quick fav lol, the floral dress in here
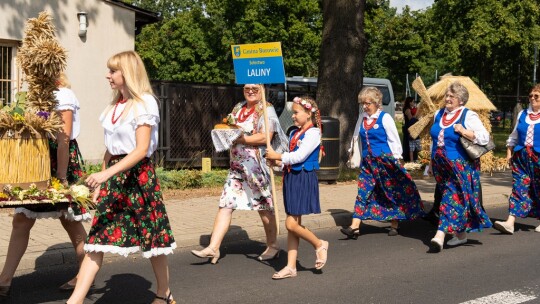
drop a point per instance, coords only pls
(248, 183)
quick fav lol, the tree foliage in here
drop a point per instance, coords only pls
(192, 42)
(488, 40)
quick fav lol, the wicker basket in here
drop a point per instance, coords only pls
(24, 160)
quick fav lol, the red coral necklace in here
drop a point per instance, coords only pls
(533, 116)
(447, 122)
(120, 101)
(242, 116)
(296, 137)
(370, 125)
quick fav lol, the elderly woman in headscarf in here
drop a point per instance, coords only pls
(458, 176)
(386, 191)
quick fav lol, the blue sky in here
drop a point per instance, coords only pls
(413, 4)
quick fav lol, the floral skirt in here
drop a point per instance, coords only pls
(130, 214)
(525, 198)
(386, 191)
(74, 211)
(459, 180)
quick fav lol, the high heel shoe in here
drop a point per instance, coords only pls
(207, 252)
(270, 253)
(350, 232)
(168, 299)
(4, 291)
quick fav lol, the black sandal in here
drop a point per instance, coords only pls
(351, 233)
(168, 299)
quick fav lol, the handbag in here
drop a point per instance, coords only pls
(474, 151)
(354, 154)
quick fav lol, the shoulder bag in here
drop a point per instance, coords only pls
(474, 151)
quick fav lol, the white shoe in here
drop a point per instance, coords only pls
(436, 244)
(503, 227)
(455, 241)
(537, 229)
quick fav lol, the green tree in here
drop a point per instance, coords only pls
(192, 42)
(488, 40)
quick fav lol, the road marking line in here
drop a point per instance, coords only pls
(505, 297)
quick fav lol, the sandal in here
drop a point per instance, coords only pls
(168, 299)
(322, 255)
(284, 273)
(270, 253)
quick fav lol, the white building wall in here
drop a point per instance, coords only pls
(111, 29)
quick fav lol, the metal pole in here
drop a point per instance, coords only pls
(534, 69)
(519, 73)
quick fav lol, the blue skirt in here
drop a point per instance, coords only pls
(301, 192)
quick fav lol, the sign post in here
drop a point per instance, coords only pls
(261, 63)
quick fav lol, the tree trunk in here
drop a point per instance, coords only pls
(343, 49)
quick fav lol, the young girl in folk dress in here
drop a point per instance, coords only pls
(130, 214)
(300, 183)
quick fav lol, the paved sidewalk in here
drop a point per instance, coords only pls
(192, 220)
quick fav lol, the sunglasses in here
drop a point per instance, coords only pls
(253, 89)
(535, 96)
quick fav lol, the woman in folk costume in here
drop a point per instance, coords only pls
(300, 183)
(460, 210)
(524, 143)
(130, 214)
(386, 192)
(66, 167)
(248, 183)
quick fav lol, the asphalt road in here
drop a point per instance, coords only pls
(375, 268)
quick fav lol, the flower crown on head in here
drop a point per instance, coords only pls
(304, 103)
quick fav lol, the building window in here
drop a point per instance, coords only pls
(6, 75)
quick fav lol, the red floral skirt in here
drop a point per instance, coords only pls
(130, 214)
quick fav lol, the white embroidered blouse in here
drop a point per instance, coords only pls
(120, 136)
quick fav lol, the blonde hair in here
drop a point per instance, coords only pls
(310, 106)
(130, 64)
(62, 81)
(373, 94)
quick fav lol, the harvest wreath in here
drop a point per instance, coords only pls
(26, 127)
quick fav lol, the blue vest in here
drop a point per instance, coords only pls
(522, 133)
(378, 141)
(312, 162)
(452, 146)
